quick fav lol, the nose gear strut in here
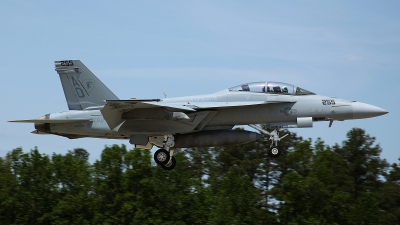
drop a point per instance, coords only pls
(274, 137)
(164, 156)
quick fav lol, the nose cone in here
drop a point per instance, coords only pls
(362, 110)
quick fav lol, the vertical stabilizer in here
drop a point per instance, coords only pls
(82, 88)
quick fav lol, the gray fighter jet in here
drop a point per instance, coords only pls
(192, 121)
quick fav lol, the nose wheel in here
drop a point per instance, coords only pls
(164, 156)
(274, 151)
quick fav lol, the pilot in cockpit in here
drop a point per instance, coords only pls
(284, 90)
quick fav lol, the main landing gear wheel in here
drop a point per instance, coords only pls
(274, 151)
(161, 156)
(164, 156)
(170, 165)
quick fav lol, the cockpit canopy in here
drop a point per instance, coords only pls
(271, 88)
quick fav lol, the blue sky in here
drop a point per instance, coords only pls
(347, 49)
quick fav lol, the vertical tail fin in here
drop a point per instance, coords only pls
(82, 88)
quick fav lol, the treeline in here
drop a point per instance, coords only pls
(310, 183)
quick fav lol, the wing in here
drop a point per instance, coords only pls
(114, 109)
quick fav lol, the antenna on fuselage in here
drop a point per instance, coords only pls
(165, 95)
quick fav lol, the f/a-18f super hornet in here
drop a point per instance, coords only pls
(192, 121)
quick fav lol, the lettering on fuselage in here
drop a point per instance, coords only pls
(98, 120)
(328, 102)
(204, 99)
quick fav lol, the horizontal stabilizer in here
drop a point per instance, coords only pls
(51, 121)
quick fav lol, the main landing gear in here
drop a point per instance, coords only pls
(274, 151)
(164, 156)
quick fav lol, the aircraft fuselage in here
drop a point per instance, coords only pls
(319, 108)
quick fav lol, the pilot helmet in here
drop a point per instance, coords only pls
(284, 89)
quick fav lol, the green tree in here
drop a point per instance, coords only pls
(362, 164)
(8, 187)
(73, 179)
(308, 184)
(389, 198)
(201, 162)
(302, 195)
(333, 186)
(139, 189)
(181, 196)
(109, 186)
(31, 195)
(365, 211)
(236, 200)
(130, 190)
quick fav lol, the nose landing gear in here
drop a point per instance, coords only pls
(164, 156)
(274, 151)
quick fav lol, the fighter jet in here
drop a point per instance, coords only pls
(191, 121)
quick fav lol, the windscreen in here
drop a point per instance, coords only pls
(301, 91)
